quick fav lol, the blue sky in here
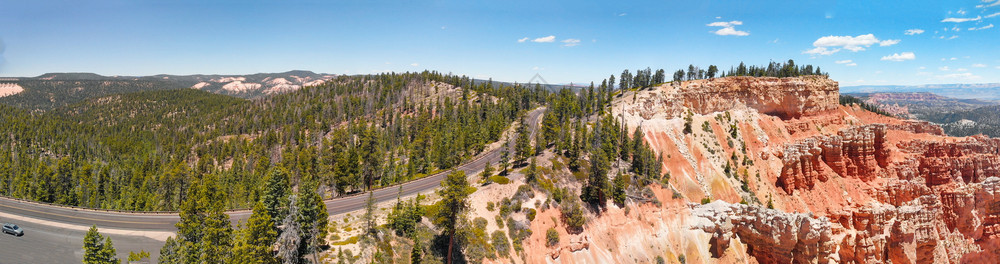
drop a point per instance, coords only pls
(858, 42)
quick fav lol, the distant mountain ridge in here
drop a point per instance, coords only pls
(983, 91)
(52, 90)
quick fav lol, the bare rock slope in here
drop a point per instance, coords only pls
(846, 185)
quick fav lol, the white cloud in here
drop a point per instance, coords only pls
(623, 14)
(775, 41)
(960, 20)
(571, 42)
(730, 32)
(979, 65)
(851, 64)
(922, 68)
(550, 38)
(414, 64)
(726, 24)
(821, 51)
(960, 11)
(915, 31)
(992, 15)
(832, 44)
(952, 37)
(842, 61)
(888, 42)
(728, 28)
(982, 27)
(945, 68)
(998, 67)
(522, 40)
(988, 5)
(900, 56)
(961, 69)
(536, 68)
(847, 42)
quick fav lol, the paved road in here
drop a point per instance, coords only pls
(54, 234)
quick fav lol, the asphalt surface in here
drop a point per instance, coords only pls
(47, 240)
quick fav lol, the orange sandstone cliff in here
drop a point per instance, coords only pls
(846, 185)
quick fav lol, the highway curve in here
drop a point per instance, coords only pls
(54, 234)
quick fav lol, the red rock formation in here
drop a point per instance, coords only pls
(771, 236)
(855, 152)
(919, 127)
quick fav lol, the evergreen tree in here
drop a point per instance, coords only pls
(523, 143)
(594, 192)
(256, 239)
(369, 217)
(416, 255)
(679, 75)
(170, 252)
(312, 219)
(454, 201)
(97, 249)
(276, 195)
(531, 173)
(487, 172)
(216, 242)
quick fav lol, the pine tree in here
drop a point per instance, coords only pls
(487, 173)
(276, 195)
(312, 219)
(416, 255)
(454, 194)
(369, 217)
(216, 242)
(523, 143)
(108, 253)
(531, 174)
(98, 249)
(256, 238)
(170, 252)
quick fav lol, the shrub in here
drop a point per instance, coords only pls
(499, 179)
(531, 214)
(505, 208)
(489, 206)
(551, 237)
(660, 260)
(681, 259)
(706, 200)
(500, 243)
(479, 223)
(572, 215)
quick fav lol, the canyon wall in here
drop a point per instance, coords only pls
(783, 97)
(785, 174)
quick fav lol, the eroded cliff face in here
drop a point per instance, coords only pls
(782, 97)
(846, 185)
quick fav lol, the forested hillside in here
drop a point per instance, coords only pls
(45, 94)
(141, 151)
